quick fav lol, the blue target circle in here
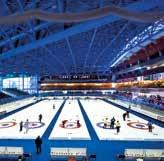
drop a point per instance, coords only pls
(5, 124)
(140, 125)
(101, 125)
(34, 125)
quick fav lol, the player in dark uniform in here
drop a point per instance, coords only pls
(112, 122)
(21, 126)
(124, 116)
(150, 127)
(40, 118)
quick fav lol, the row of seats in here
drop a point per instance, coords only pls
(56, 152)
(8, 107)
(17, 153)
(71, 154)
(13, 153)
(142, 154)
(11, 99)
(3, 95)
(138, 101)
(138, 108)
(16, 91)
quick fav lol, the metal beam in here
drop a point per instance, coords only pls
(28, 23)
(128, 52)
(135, 6)
(36, 28)
(58, 60)
(111, 42)
(90, 45)
(141, 39)
(101, 3)
(75, 30)
(7, 36)
(60, 5)
(83, 4)
(58, 36)
(22, 35)
(72, 56)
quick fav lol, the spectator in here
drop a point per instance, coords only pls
(21, 158)
(38, 143)
(139, 159)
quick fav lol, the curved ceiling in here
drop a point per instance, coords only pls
(42, 47)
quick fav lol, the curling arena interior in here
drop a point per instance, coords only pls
(81, 80)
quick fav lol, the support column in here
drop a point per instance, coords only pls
(113, 77)
(1, 82)
(23, 82)
(37, 85)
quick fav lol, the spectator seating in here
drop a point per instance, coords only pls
(2, 95)
(142, 154)
(11, 106)
(16, 91)
(152, 154)
(13, 153)
(58, 153)
(153, 101)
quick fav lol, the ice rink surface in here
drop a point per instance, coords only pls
(134, 128)
(67, 127)
(9, 127)
(70, 124)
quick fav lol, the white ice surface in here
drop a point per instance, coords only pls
(97, 110)
(31, 113)
(71, 112)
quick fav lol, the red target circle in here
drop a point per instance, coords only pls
(70, 125)
(138, 125)
(7, 124)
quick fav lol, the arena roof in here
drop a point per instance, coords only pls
(44, 46)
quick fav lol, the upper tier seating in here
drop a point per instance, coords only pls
(2, 95)
(16, 92)
(154, 101)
